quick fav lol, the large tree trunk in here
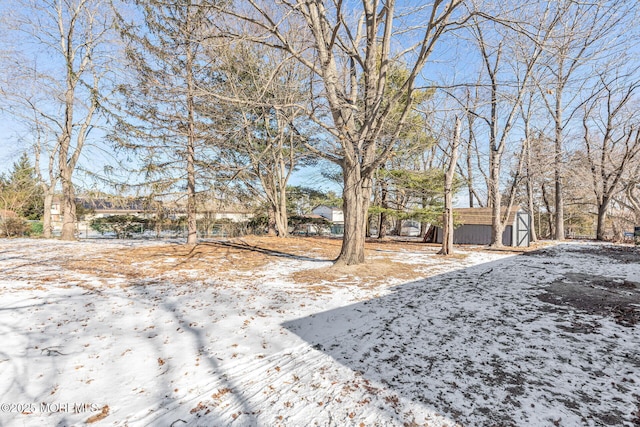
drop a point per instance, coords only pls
(447, 226)
(271, 222)
(397, 230)
(68, 204)
(602, 219)
(282, 219)
(356, 196)
(497, 226)
(281, 224)
(633, 199)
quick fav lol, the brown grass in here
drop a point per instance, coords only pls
(232, 258)
(370, 274)
(238, 258)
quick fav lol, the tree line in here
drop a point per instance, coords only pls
(532, 104)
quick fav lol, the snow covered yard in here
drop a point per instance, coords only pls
(259, 332)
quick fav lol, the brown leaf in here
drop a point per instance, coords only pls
(97, 417)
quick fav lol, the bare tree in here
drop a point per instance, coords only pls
(611, 139)
(350, 53)
(505, 92)
(27, 105)
(588, 31)
(526, 112)
(447, 220)
(48, 184)
(632, 194)
(471, 150)
(72, 35)
(265, 128)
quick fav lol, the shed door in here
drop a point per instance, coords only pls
(523, 224)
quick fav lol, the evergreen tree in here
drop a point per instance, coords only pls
(162, 120)
(20, 191)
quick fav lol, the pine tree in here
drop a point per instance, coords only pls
(161, 120)
(20, 191)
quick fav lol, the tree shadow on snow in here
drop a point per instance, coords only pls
(479, 347)
(258, 249)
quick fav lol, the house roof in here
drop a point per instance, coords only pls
(334, 208)
(113, 205)
(481, 216)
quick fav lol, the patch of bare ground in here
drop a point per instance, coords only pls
(604, 296)
(620, 253)
(368, 275)
(237, 258)
(217, 259)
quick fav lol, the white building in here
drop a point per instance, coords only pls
(333, 214)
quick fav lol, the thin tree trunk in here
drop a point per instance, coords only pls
(469, 162)
(281, 211)
(559, 201)
(384, 204)
(281, 215)
(547, 204)
(192, 227)
(47, 229)
(447, 220)
(67, 203)
(533, 237)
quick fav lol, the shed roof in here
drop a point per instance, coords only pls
(481, 216)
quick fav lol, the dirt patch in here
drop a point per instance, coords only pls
(599, 295)
(619, 253)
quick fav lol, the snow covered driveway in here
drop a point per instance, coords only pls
(95, 333)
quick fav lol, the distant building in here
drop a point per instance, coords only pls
(207, 215)
(475, 228)
(332, 214)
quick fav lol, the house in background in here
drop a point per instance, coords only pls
(475, 228)
(101, 208)
(332, 214)
(209, 215)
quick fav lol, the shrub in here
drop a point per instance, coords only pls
(36, 228)
(14, 227)
(123, 225)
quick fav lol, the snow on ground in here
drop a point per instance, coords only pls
(480, 340)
